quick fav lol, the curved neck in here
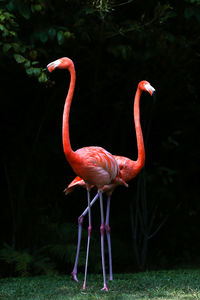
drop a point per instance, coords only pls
(139, 136)
(65, 128)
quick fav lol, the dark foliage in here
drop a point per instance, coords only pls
(114, 45)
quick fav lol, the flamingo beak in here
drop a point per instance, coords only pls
(154, 96)
(149, 89)
(53, 65)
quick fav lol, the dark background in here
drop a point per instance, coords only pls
(114, 44)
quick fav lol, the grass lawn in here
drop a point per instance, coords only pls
(171, 285)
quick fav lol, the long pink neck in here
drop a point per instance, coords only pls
(139, 136)
(65, 129)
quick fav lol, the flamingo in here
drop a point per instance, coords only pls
(93, 164)
(128, 168)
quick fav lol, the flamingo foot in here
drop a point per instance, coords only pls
(84, 287)
(105, 288)
(74, 277)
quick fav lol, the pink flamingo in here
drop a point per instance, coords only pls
(128, 168)
(94, 164)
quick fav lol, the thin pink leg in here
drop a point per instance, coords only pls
(74, 272)
(80, 222)
(105, 287)
(88, 243)
(107, 228)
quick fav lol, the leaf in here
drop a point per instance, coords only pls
(189, 12)
(43, 37)
(10, 6)
(22, 262)
(33, 71)
(60, 37)
(19, 58)
(16, 46)
(24, 11)
(171, 37)
(52, 33)
(33, 54)
(38, 7)
(89, 11)
(8, 16)
(12, 33)
(2, 17)
(6, 47)
(42, 77)
(35, 63)
(36, 71)
(67, 34)
(2, 27)
(29, 71)
(27, 64)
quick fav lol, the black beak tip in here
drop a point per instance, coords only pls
(47, 72)
(154, 96)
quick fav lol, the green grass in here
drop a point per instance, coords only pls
(171, 285)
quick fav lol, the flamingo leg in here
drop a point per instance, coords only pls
(80, 222)
(107, 228)
(88, 243)
(105, 287)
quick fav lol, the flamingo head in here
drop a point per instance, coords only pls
(61, 63)
(145, 86)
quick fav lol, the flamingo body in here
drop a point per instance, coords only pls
(99, 167)
(128, 169)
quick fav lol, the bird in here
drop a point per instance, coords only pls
(128, 168)
(96, 166)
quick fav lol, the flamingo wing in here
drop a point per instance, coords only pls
(99, 167)
(75, 183)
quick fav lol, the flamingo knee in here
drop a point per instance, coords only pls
(80, 220)
(102, 227)
(107, 228)
(89, 229)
